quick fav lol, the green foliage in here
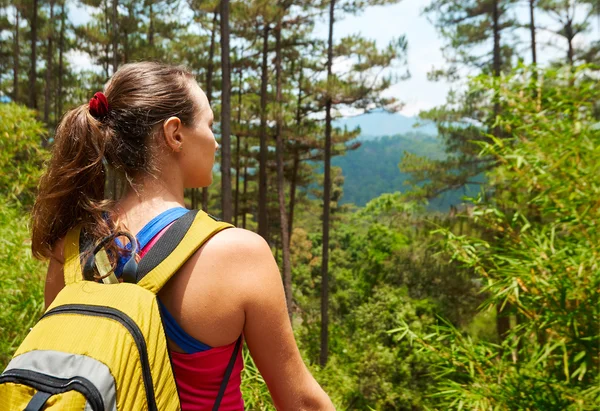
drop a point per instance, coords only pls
(21, 281)
(383, 265)
(527, 250)
(538, 255)
(21, 157)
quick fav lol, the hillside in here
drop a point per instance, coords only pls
(373, 169)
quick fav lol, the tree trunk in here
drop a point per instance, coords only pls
(211, 56)
(497, 63)
(131, 17)
(61, 50)
(205, 198)
(49, 64)
(285, 242)
(209, 84)
(115, 35)
(293, 191)
(245, 192)
(151, 26)
(532, 30)
(263, 229)
(33, 72)
(237, 152)
(502, 322)
(570, 36)
(296, 154)
(237, 180)
(496, 27)
(16, 57)
(106, 62)
(226, 201)
(326, 199)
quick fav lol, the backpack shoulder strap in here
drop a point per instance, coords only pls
(72, 267)
(175, 247)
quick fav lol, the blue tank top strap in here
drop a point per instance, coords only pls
(148, 232)
(186, 342)
(158, 223)
(173, 330)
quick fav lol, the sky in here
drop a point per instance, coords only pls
(383, 23)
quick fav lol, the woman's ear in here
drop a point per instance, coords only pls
(172, 131)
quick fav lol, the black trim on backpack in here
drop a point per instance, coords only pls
(130, 325)
(228, 372)
(38, 401)
(166, 244)
(54, 385)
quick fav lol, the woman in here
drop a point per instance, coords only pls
(153, 125)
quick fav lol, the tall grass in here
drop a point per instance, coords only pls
(21, 281)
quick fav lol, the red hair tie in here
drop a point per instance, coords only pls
(99, 105)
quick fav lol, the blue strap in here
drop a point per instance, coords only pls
(147, 233)
(158, 223)
(178, 335)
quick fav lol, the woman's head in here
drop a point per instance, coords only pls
(157, 115)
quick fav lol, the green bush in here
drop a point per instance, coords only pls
(21, 281)
(21, 155)
(21, 277)
(537, 256)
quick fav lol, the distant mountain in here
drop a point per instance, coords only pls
(372, 169)
(381, 123)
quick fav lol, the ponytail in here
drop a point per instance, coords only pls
(71, 191)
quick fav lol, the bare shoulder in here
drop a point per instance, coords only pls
(244, 257)
(238, 242)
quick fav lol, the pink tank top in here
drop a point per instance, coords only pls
(199, 375)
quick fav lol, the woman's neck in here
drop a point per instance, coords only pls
(150, 197)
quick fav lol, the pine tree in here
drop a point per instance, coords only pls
(466, 26)
(16, 54)
(566, 13)
(49, 66)
(354, 90)
(33, 19)
(285, 244)
(226, 199)
(532, 30)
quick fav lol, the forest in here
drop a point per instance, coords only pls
(401, 296)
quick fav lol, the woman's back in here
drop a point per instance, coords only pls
(154, 125)
(199, 368)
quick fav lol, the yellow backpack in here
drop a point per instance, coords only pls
(102, 347)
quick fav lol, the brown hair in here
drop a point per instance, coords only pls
(141, 96)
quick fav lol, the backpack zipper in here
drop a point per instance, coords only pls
(55, 385)
(129, 324)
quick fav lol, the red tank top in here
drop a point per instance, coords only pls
(199, 375)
